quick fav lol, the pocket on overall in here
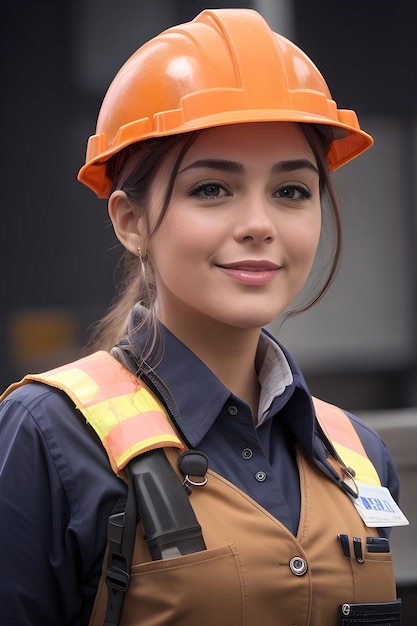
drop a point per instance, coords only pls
(199, 589)
(377, 613)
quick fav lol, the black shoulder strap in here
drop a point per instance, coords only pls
(121, 531)
(156, 494)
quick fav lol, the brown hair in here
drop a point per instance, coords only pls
(331, 236)
(132, 170)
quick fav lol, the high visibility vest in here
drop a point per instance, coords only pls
(254, 571)
(129, 420)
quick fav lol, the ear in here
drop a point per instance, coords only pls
(128, 222)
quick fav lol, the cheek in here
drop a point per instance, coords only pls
(305, 239)
(175, 249)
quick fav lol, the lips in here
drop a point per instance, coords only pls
(251, 266)
(250, 272)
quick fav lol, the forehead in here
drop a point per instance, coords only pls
(271, 141)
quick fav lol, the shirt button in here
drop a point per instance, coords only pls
(298, 566)
(232, 410)
(260, 477)
(247, 453)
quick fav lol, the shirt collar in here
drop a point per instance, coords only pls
(274, 374)
(200, 395)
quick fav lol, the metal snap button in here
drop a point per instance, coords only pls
(298, 566)
(247, 453)
(232, 410)
(260, 476)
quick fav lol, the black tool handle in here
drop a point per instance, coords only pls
(170, 525)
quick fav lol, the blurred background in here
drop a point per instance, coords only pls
(358, 348)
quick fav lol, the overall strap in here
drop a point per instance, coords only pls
(341, 433)
(130, 420)
(126, 416)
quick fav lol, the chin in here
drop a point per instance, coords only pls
(252, 321)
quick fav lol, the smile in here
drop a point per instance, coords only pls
(251, 272)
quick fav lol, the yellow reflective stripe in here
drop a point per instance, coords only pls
(106, 415)
(152, 443)
(76, 383)
(75, 379)
(364, 470)
(127, 424)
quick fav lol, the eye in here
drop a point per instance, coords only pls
(294, 192)
(209, 190)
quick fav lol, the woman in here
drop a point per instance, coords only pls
(215, 157)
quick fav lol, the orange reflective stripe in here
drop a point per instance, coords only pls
(150, 426)
(125, 415)
(106, 378)
(339, 429)
(129, 420)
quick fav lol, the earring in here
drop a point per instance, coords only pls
(145, 288)
(142, 256)
(142, 261)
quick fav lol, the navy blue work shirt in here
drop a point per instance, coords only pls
(57, 489)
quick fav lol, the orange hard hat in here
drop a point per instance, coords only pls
(224, 67)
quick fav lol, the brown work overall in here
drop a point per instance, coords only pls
(248, 576)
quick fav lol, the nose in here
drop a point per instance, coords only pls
(254, 222)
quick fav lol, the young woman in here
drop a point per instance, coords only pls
(215, 156)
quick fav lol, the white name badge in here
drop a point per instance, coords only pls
(377, 507)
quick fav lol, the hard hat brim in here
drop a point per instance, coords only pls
(347, 141)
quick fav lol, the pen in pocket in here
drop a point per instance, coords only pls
(344, 542)
(357, 549)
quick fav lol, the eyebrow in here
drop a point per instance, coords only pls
(295, 164)
(216, 164)
(237, 168)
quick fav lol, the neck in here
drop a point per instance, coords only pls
(229, 352)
